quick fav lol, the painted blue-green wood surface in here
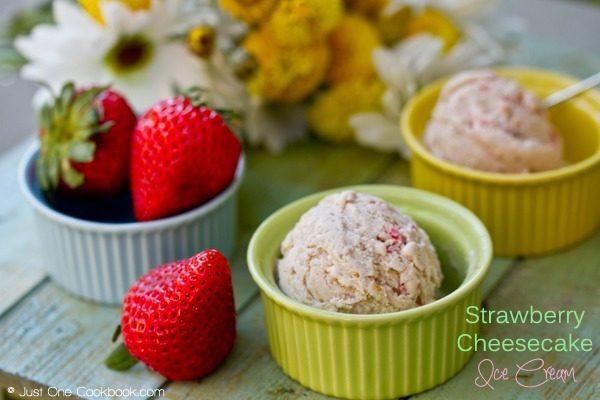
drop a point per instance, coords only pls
(49, 339)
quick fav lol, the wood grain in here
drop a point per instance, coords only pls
(21, 267)
(248, 373)
(273, 180)
(56, 340)
(565, 281)
(53, 339)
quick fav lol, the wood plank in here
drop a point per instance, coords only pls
(397, 173)
(56, 340)
(565, 281)
(500, 268)
(49, 334)
(20, 261)
(53, 339)
(273, 180)
(248, 373)
(77, 333)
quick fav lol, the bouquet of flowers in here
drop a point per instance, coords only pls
(342, 69)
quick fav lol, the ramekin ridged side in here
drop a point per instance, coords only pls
(522, 219)
(390, 361)
(99, 261)
(376, 356)
(526, 214)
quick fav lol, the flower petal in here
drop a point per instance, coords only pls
(376, 131)
(274, 126)
(156, 81)
(69, 14)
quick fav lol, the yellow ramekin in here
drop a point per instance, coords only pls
(526, 214)
(377, 356)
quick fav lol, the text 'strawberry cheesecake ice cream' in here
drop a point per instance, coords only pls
(490, 123)
(356, 253)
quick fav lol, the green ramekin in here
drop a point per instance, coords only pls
(376, 356)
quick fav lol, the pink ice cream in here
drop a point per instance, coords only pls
(356, 253)
(490, 123)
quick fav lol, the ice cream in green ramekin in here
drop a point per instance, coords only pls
(384, 355)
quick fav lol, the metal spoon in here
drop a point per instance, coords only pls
(571, 91)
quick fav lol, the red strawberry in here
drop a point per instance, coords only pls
(183, 154)
(85, 142)
(179, 318)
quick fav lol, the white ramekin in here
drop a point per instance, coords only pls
(99, 261)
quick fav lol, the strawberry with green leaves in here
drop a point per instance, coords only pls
(183, 154)
(85, 139)
(179, 319)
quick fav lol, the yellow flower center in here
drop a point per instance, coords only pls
(129, 54)
(201, 40)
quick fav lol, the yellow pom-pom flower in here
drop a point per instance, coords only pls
(285, 74)
(93, 7)
(352, 44)
(392, 27)
(331, 110)
(435, 22)
(252, 12)
(370, 8)
(302, 22)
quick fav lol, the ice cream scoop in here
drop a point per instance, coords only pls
(491, 123)
(356, 253)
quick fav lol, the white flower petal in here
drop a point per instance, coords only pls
(119, 18)
(274, 126)
(376, 131)
(157, 80)
(67, 13)
(392, 102)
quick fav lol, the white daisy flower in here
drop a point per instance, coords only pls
(133, 51)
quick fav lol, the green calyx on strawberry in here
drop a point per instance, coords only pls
(179, 319)
(85, 139)
(183, 154)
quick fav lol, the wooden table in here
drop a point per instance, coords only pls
(49, 339)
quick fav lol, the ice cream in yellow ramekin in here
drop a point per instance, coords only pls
(531, 213)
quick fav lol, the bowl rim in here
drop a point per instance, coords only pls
(467, 286)
(591, 99)
(123, 227)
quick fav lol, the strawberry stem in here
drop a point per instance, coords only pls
(116, 333)
(120, 359)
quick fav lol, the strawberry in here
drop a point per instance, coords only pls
(179, 318)
(183, 154)
(85, 142)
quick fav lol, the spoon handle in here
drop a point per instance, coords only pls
(571, 91)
